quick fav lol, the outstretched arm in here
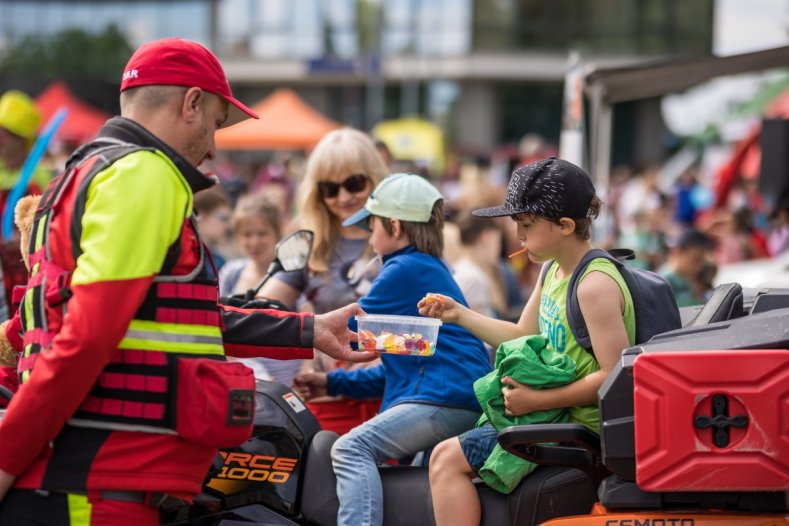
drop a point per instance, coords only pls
(284, 335)
(489, 330)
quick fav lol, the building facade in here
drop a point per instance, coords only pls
(488, 71)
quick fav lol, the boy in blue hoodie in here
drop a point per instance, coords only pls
(425, 399)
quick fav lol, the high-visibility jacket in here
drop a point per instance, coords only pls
(120, 286)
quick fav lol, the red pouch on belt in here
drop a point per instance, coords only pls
(216, 402)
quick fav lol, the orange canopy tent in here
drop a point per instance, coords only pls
(82, 122)
(286, 123)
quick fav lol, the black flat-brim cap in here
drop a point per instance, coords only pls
(550, 187)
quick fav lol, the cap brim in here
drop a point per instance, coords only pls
(359, 219)
(495, 211)
(237, 112)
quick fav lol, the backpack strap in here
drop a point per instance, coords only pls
(575, 318)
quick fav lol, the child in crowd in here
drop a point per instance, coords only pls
(257, 227)
(425, 399)
(688, 259)
(213, 222)
(552, 203)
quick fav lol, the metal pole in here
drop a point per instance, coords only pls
(600, 163)
(374, 100)
(213, 25)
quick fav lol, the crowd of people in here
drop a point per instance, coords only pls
(385, 241)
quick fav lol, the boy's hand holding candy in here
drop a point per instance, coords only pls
(440, 307)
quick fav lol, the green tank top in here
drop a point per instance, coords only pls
(554, 326)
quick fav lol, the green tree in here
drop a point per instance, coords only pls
(70, 52)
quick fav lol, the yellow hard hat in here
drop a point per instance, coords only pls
(18, 114)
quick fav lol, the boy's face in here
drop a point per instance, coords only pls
(538, 235)
(383, 242)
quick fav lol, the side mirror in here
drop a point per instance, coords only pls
(293, 252)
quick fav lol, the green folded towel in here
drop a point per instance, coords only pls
(529, 361)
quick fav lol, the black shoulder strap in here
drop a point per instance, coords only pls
(575, 318)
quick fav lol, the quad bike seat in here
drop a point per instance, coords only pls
(547, 493)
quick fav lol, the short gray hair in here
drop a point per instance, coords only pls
(149, 98)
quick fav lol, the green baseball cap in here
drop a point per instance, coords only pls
(407, 197)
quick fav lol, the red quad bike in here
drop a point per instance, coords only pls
(695, 432)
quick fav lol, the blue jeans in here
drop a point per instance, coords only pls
(401, 430)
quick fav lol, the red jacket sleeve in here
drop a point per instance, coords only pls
(268, 333)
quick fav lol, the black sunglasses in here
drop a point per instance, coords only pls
(353, 184)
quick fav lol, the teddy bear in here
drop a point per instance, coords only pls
(24, 215)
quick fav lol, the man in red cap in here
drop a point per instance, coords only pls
(122, 335)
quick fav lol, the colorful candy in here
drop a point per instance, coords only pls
(413, 344)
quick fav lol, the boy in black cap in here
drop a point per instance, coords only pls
(552, 203)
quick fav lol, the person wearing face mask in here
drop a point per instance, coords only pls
(340, 174)
(125, 392)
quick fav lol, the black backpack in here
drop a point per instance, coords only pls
(654, 304)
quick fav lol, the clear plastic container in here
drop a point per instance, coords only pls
(408, 335)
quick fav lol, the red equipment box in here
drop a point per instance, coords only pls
(712, 420)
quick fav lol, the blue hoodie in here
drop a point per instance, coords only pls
(446, 378)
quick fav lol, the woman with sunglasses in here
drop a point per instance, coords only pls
(341, 173)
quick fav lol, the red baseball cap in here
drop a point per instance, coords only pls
(179, 62)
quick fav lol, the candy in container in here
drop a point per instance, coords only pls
(407, 335)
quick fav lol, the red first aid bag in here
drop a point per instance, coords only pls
(215, 402)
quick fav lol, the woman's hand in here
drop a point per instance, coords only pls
(520, 399)
(440, 307)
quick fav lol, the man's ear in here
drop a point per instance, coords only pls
(193, 104)
(566, 226)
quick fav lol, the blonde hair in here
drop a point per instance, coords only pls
(339, 154)
(256, 205)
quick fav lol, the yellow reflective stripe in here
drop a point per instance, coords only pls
(173, 337)
(175, 328)
(29, 312)
(27, 305)
(176, 347)
(79, 510)
(42, 223)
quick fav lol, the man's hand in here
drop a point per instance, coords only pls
(6, 481)
(333, 337)
(519, 399)
(311, 385)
